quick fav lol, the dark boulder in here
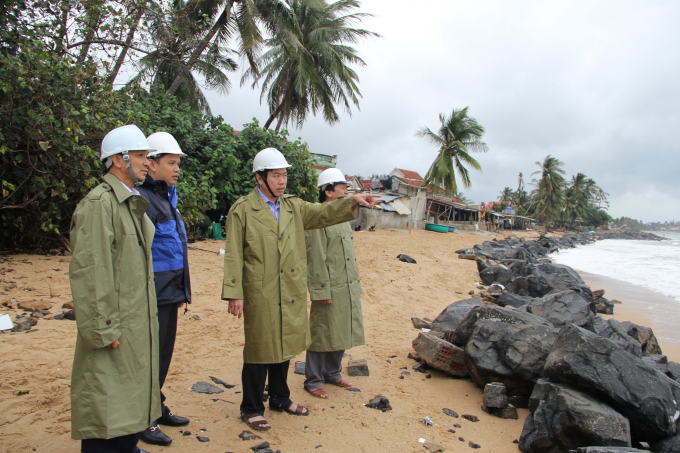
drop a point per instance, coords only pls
(599, 324)
(513, 300)
(565, 419)
(616, 333)
(669, 445)
(603, 306)
(563, 308)
(608, 450)
(674, 371)
(496, 274)
(494, 313)
(598, 366)
(512, 354)
(658, 361)
(481, 264)
(645, 335)
(451, 316)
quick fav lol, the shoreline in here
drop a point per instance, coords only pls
(642, 306)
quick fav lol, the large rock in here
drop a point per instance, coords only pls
(602, 368)
(563, 308)
(494, 313)
(450, 318)
(670, 445)
(34, 305)
(441, 354)
(645, 335)
(616, 333)
(512, 354)
(603, 306)
(565, 419)
(496, 274)
(513, 300)
(608, 450)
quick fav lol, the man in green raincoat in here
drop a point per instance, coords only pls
(265, 280)
(333, 282)
(114, 383)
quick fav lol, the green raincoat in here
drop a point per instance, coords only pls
(114, 392)
(265, 264)
(333, 274)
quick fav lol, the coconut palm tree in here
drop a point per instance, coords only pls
(506, 194)
(549, 192)
(306, 68)
(224, 21)
(457, 137)
(174, 33)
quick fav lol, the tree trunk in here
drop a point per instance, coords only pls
(61, 43)
(223, 19)
(92, 25)
(128, 43)
(274, 115)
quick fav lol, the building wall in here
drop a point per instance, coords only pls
(381, 219)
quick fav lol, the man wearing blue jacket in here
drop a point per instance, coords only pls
(170, 262)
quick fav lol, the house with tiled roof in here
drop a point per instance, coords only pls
(408, 174)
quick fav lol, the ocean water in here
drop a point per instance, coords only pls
(650, 264)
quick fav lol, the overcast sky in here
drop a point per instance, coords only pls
(595, 84)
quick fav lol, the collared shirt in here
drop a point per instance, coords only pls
(273, 206)
(133, 191)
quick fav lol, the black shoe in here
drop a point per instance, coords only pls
(154, 436)
(170, 419)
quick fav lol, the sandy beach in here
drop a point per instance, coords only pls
(210, 341)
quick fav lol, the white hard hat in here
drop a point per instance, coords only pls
(269, 159)
(164, 143)
(331, 176)
(124, 138)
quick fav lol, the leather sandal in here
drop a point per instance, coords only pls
(299, 410)
(255, 424)
(342, 383)
(319, 393)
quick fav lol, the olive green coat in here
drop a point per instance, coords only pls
(265, 264)
(114, 392)
(333, 274)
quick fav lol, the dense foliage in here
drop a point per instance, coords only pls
(54, 112)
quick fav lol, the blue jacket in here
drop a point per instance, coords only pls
(169, 248)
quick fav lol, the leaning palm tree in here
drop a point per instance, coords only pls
(306, 67)
(226, 19)
(174, 33)
(549, 192)
(457, 137)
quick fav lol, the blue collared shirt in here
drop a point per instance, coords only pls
(273, 206)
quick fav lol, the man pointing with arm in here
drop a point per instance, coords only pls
(265, 273)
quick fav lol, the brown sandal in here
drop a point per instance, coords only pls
(257, 424)
(342, 383)
(319, 393)
(298, 410)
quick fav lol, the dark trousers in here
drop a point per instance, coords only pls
(253, 378)
(167, 331)
(322, 367)
(122, 444)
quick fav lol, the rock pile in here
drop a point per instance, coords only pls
(533, 338)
